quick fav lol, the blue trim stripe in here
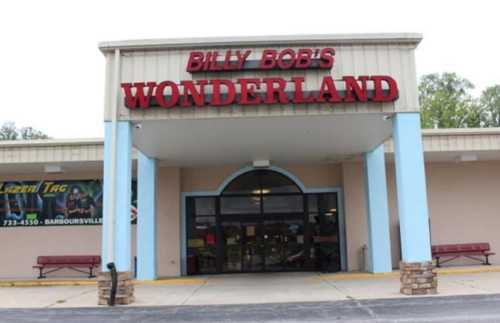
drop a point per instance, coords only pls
(123, 191)
(411, 188)
(146, 220)
(379, 244)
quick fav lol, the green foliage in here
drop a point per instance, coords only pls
(490, 102)
(446, 103)
(9, 131)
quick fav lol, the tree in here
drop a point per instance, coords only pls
(9, 131)
(445, 102)
(490, 103)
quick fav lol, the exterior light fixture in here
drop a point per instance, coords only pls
(53, 169)
(467, 158)
(261, 163)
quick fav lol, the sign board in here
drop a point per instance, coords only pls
(41, 203)
(269, 90)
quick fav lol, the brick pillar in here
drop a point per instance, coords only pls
(124, 290)
(418, 278)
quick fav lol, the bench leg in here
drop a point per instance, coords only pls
(487, 262)
(91, 272)
(40, 275)
(437, 262)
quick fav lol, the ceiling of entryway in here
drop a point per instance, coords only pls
(318, 138)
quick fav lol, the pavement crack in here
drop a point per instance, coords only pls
(365, 308)
(467, 283)
(69, 298)
(184, 302)
(334, 286)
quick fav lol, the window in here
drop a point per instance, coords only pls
(261, 182)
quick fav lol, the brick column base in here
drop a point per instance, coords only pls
(124, 290)
(418, 278)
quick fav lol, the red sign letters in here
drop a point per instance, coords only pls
(256, 91)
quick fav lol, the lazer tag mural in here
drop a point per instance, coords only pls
(38, 203)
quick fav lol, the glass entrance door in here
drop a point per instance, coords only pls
(284, 244)
(243, 244)
(262, 222)
(252, 244)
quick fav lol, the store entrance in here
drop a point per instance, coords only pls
(262, 222)
(263, 245)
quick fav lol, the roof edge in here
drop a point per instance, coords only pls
(461, 131)
(51, 142)
(100, 141)
(224, 41)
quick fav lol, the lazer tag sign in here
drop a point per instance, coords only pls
(268, 90)
(64, 202)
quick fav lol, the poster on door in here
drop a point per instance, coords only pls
(45, 203)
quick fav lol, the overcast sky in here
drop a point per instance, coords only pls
(51, 72)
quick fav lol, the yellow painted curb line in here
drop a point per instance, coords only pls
(439, 271)
(472, 270)
(357, 276)
(36, 283)
(173, 281)
(42, 283)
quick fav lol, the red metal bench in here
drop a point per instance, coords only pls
(55, 263)
(469, 250)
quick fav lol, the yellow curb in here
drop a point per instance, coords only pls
(468, 270)
(357, 276)
(439, 271)
(41, 283)
(173, 281)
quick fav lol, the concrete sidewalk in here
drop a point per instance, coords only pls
(250, 289)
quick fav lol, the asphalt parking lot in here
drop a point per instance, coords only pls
(470, 308)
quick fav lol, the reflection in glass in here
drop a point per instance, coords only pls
(204, 206)
(284, 241)
(261, 182)
(231, 232)
(252, 247)
(283, 203)
(261, 223)
(239, 205)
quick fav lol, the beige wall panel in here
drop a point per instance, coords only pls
(396, 60)
(168, 222)
(355, 214)
(393, 215)
(211, 177)
(463, 203)
(51, 153)
(206, 178)
(21, 246)
(317, 175)
(45, 176)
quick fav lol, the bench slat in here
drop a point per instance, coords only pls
(67, 260)
(479, 247)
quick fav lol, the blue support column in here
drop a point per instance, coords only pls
(117, 195)
(411, 188)
(146, 218)
(379, 242)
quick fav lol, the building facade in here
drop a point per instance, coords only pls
(255, 154)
